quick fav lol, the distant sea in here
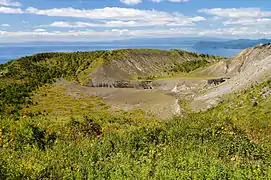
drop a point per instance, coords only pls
(10, 52)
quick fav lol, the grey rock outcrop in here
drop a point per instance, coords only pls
(252, 65)
(123, 84)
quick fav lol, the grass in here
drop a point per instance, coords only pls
(53, 102)
(26, 74)
(250, 110)
(51, 99)
(83, 76)
(57, 135)
(193, 74)
(181, 76)
(126, 145)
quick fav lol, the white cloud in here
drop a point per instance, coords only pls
(120, 23)
(131, 23)
(248, 22)
(238, 32)
(237, 12)
(240, 17)
(23, 36)
(91, 35)
(105, 13)
(131, 2)
(5, 25)
(7, 10)
(117, 34)
(172, 32)
(198, 18)
(115, 15)
(39, 30)
(9, 3)
(156, 1)
(124, 23)
(178, 0)
(63, 24)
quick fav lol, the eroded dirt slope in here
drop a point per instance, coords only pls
(252, 65)
(143, 63)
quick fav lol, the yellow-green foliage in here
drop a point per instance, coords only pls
(249, 110)
(54, 101)
(127, 145)
(24, 75)
(83, 75)
(56, 135)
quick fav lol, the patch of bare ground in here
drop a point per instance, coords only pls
(153, 101)
(251, 66)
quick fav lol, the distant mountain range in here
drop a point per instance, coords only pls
(127, 42)
(232, 44)
(193, 42)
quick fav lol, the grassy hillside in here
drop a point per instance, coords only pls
(228, 142)
(22, 76)
(47, 133)
(145, 64)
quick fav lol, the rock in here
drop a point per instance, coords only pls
(145, 84)
(216, 81)
(123, 84)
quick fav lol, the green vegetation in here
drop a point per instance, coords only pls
(23, 76)
(189, 66)
(212, 144)
(48, 134)
(250, 110)
(197, 61)
(183, 63)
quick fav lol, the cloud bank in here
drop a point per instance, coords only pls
(9, 3)
(113, 23)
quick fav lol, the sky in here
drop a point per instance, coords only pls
(106, 20)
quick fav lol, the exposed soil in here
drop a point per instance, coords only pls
(157, 102)
(250, 66)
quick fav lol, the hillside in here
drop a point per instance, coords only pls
(135, 114)
(142, 63)
(22, 76)
(251, 66)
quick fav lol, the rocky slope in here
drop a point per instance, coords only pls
(118, 77)
(143, 63)
(240, 62)
(108, 74)
(252, 65)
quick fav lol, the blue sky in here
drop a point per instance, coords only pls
(103, 20)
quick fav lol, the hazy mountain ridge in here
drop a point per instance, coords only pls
(231, 44)
(140, 42)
